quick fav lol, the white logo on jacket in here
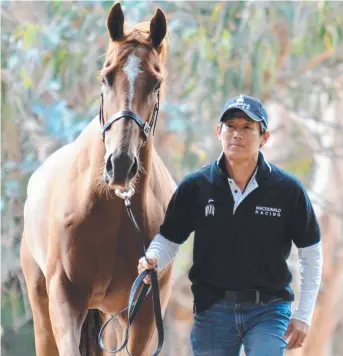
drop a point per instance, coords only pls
(268, 211)
(209, 209)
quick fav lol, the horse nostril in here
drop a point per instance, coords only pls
(120, 168)
(109, 165)
(134, 168)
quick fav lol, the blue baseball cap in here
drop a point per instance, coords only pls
(251, 106)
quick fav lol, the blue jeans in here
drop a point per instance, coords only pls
(222, 329)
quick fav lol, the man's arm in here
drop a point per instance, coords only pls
(163, 250)
(311, 263)
(159, 254)
(305, 233)
(175, 229)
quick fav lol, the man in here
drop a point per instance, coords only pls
(245, 214)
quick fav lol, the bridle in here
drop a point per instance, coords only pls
(146, 126)
(134, 305)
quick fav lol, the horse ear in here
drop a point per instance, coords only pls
(158, 28)
(115, 22)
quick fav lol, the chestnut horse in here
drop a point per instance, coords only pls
(79, 249)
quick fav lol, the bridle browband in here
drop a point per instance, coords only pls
(146, 126)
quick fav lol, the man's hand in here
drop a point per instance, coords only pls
(143, 264)
(297, 331)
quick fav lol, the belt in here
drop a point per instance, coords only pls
(247, 296)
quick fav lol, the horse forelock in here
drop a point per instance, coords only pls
(138, 36)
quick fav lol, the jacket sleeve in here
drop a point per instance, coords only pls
(178, 223)
(311, 265)
(304, 226)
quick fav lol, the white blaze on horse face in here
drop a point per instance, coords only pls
(132, 69)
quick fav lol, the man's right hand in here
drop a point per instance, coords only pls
(143, 264)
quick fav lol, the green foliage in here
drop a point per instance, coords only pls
(17, 338)
(301, 166)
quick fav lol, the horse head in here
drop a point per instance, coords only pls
(132, 76)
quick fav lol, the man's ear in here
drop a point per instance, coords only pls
(265, 137)
(219, 131)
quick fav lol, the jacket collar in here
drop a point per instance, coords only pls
(263, 167)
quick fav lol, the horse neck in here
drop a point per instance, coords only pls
(145, 157)
(139, 201)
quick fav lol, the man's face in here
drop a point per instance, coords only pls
(240, 136)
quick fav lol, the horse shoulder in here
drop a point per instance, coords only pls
(36, 217)
(162, 183)
(54, 198)
(57, 172)
(161, 189)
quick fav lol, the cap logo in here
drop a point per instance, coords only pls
(240, 100)
(251, 106)
(240, 104)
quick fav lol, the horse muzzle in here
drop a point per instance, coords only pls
(120, 170)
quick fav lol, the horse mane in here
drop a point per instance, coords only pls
(138, 35)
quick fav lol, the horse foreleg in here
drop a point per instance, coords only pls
(68, 306)
(36, 286)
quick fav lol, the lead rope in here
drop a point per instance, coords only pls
(133, 306)
(155, 113)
